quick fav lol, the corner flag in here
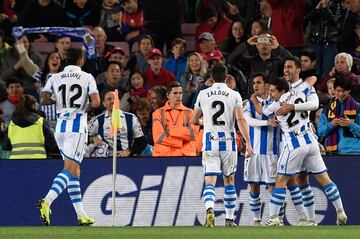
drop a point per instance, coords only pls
(116, 123)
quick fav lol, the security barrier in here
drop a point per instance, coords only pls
(153, 192)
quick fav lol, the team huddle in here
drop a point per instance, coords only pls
(281, 147)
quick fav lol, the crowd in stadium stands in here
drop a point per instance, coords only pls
(158, 55)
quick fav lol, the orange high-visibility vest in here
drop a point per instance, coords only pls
(172, 133)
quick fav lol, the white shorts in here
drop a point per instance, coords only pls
(219, 162)
(72, 145)
(260, 169)
(307, 157)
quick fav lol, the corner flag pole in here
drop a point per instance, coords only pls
(116, 124)
(113, 211)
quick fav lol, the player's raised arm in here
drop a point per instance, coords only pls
(244, 128)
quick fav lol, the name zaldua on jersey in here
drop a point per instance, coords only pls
(218, 104)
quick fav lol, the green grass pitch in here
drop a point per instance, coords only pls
(348, 232)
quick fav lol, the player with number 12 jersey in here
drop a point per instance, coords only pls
(71, 88)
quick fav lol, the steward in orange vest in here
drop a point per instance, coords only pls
(172, 133)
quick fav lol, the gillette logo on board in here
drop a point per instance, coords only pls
(175, 199)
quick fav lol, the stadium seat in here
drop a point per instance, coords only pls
(189, 28)
(188, 32)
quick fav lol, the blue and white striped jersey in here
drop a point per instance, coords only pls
(304, 87)
(264, 139)
(295, 124)
(100, 125)
(71, 88)
(218, 104)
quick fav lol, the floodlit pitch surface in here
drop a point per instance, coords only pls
(287, 232)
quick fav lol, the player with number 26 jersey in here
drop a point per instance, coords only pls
(296, 127)
(71, 88)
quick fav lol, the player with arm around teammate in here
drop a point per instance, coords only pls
(260, 168)
(301, 151)
(71, 88)
(221, 108)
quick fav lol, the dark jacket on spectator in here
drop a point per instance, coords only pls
(325, 22)
(87, 16)
(272, 67)
(35, 15)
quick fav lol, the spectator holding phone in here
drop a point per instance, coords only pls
(268, 59)
(340, 120)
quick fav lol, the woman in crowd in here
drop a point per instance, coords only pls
(195, 74)
(137, 91)
(138, 61)
(236, 36)
(343, 65)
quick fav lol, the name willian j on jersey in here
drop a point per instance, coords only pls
(70, 74)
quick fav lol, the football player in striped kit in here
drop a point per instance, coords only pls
(301, 151)
(221, 108)
(72, 88)
(260, 168)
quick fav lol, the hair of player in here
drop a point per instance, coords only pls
(219, 73)
(295, 60)
(281, 84)
(261, 74)
(343, 82)
(14, 80)
(309, 52)
(172, 85)
(74, 55)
